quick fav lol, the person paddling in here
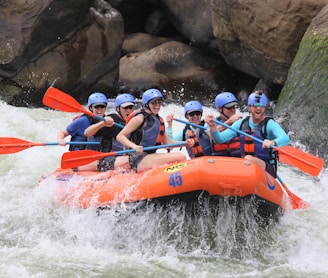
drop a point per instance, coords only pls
(124, 104)
(226, 104)
(146, 128)
(193, 111)
(97, 103)
(259, 126)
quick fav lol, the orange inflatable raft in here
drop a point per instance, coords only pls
(214, 177)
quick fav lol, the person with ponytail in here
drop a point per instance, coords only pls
(145, 129)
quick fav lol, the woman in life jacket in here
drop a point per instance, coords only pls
(146, 128)
(193, 111)
(97, 103)
(226, 103)
(259, 126)
(124, 104)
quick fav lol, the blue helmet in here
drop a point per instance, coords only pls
(97, 98)
(225, 99)
(124, 100)
(192, 105)
(151, 94)
(257, 98)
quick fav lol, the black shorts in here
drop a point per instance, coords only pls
(270, 169)
(135, 158)
(106, 164)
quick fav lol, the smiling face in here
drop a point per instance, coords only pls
(155, 105)
(194, 117)
(125, 111)
(258, 113)
(227, 112)
(98, 110)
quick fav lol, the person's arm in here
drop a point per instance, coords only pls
(169, 120)
(61, 137)
(177, 136)
(93, 129)
(230, 121)
(221, 137)
(276, 135)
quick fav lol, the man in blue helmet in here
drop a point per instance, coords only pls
(226, 104)
(193, 111)
(124, 105)
(145, 129)
(259, 126)
(97, 103)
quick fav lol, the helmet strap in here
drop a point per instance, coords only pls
(222, 113)
(118, 110)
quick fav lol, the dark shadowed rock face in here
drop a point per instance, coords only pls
(261, 38)
(68, 44)
(76, 45)
(182, 70)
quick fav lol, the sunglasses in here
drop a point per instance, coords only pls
(193, 113)
(99, 106)
(230, 108)
(157, 101)
(258, 105)
(128, 107)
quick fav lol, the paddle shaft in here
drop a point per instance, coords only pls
(78, 158)
(31, 144)
(189, 123)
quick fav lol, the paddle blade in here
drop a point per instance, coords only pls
(13, 145)
(59, 100)
(77, 158)
(295, 201)
(300, 159)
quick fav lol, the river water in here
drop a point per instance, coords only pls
(39, 238)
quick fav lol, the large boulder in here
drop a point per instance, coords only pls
(193, 19)
(304, 98)
(63, 43)
(183, 70)
(261, 38)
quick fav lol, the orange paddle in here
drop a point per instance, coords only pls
(296, 202)
(13, 145)
(78, 158)
(59, 100)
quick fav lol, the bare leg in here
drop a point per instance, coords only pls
(156, 159)
(89, 167)
(122, 162)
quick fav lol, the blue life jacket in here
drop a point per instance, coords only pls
(150, 132)
(251, 147)
(203, 143)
